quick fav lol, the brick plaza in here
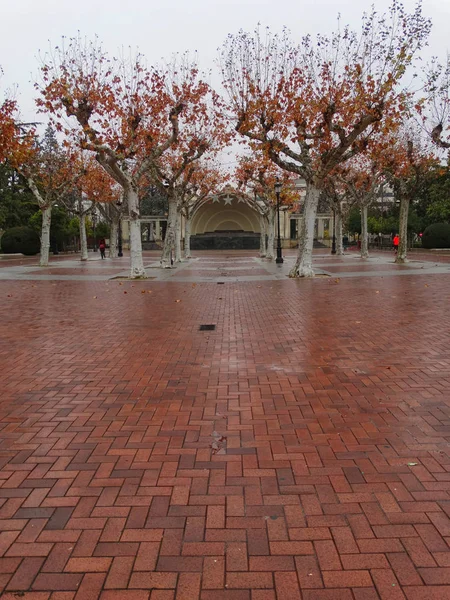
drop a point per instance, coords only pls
(298, 451)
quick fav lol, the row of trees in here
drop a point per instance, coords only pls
(333, 111)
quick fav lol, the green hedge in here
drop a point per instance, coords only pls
(20, 240)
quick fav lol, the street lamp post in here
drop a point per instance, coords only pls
(279, 259)
(119, 232)
(333, 245)
(94, 224)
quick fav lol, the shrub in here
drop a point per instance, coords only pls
(20, 240)
(436, 236)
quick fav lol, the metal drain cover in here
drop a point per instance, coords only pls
(207, 327)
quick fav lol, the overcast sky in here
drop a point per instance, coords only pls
(161, 28)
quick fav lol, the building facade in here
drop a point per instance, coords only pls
(229, 221)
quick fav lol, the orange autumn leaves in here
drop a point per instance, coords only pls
(313, 105)
(127, 110)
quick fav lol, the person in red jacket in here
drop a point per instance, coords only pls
(396, 242)
(102, 247)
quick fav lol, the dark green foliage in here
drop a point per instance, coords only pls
(17, 203)
(102, 230)
(436, 236)
(61, 228)
(154, 202)
(20, 240)
(354, 221)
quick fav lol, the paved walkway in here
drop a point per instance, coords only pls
(238, 266)
(298, 451)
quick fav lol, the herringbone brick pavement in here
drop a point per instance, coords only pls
(299, 451)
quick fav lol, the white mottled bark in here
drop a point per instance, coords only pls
(45, 235)
(178, 258)
(113, 237)
(83, 237)
(187, 237)
(364, 232)
(403, 232)
(169, 240)
(270, 253)
(137, 264)
(262, 239)
(339, 242)
(303, 265)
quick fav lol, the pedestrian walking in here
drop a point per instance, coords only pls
(396, 241)
(102, 247)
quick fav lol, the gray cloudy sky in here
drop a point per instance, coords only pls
(160, 28)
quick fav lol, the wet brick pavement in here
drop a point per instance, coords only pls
(300, 451)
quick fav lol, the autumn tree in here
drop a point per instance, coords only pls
(127, 114)
(50, 170)
(94, 189)
(199, 183)
(314, 105)
(202, 133)
(340, 200)
(434, 107)
(407, 162)
(256, 176)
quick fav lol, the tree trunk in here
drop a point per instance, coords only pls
(137, 264)
(339, 242)
(187, 237)
(364, 232)
(113, 237)
(178, 258)
(169, 240)
(303, 265)
(83, 237)
(403, 233)
(262, 239)
(270, 252)
(45, 235)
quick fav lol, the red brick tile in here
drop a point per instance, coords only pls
(426, 593)
(335, 594)
(236, 556)
(308, 572)
(153, 580)
(119, 573)
(91, 586)
(213, 573)
(286, 585)
(344, 540)
(29, 549)
(291, 548)
(346, 579)
(180, 563)
(25, 574)
(327, 555)
(203, 549)
(272, 563)
(387, 584)
(249, 580)
(257, 542)
(215, 517)
(364, 561)
(125, 595)
(188, 586)
(57, 581)
(147, 556)
(435, 576)
(87, 565)
(225, 595)
(404, 569)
